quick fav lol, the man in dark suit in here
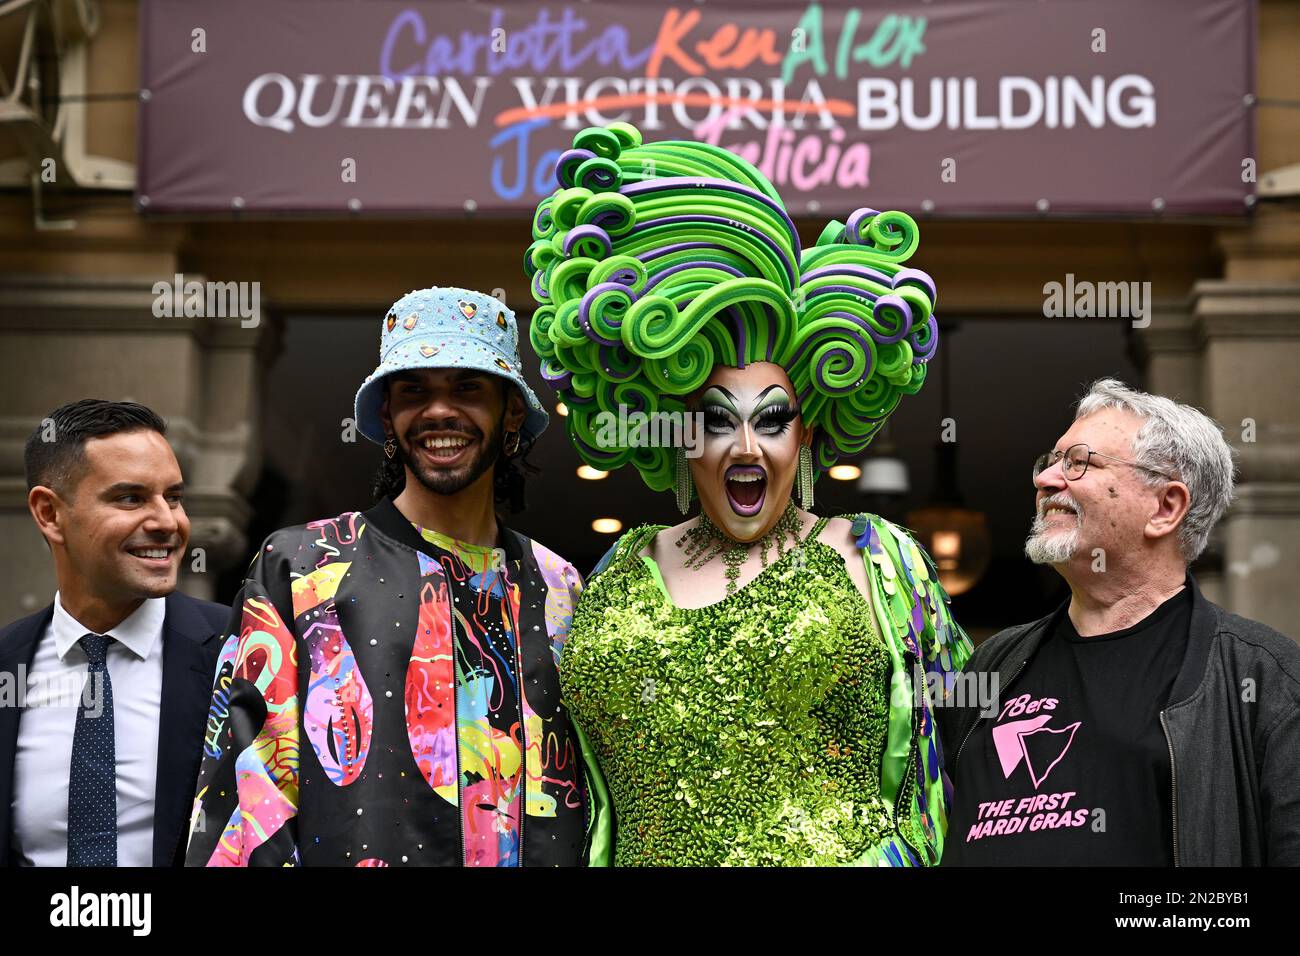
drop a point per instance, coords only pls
(104, 694)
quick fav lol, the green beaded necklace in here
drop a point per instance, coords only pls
(706, 541)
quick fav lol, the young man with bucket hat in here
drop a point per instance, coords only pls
(388, 693)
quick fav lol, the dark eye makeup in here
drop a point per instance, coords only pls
(776, 418)
(716, 418)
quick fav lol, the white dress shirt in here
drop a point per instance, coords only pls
(45, 731)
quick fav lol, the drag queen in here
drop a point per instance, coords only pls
(752, 681)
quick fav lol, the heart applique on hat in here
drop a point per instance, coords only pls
(435, 328)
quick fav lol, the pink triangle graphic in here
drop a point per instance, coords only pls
(1006, 740)
(1029, 763)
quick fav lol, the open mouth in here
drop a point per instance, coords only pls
(1056, 509)
(156, 556)
(746, 489)
(444, 449)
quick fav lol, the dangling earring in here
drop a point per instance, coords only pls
(804, 479)
(390, 448)
(684, 484)
(511, 449)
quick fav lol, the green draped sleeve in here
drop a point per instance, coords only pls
(926, 648)
(599, 850)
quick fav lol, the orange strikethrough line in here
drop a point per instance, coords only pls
(521, 113)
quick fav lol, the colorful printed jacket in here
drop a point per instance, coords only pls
(429, 697)
(926, 649)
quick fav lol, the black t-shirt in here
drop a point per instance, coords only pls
(1074, 769)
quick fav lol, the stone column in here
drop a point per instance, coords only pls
(1171, 351)
(1234, 351)
(68, 337)
(1251, 334)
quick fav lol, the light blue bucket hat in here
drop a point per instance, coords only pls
(447, 328)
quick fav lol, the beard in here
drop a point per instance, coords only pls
(449, 481)
(1048, 545)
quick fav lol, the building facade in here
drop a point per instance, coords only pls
(80, 267)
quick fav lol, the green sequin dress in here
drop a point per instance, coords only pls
(748, 732)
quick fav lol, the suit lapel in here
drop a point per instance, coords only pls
(16, 653)
(190, 649)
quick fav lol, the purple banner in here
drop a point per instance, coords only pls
(995, 107)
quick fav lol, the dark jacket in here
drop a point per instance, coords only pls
(192, 638)
(1233, 727)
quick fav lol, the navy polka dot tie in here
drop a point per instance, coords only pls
(92, 783)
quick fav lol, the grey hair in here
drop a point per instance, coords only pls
(1180, 441)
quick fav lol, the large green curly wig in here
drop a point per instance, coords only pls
(654, 262)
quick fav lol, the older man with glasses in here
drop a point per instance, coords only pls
(1138, 724)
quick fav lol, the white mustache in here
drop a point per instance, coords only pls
(1062, 500)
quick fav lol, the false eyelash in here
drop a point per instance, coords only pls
(777, 416)
(716, 417)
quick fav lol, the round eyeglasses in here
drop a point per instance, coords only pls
(1076, 459)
